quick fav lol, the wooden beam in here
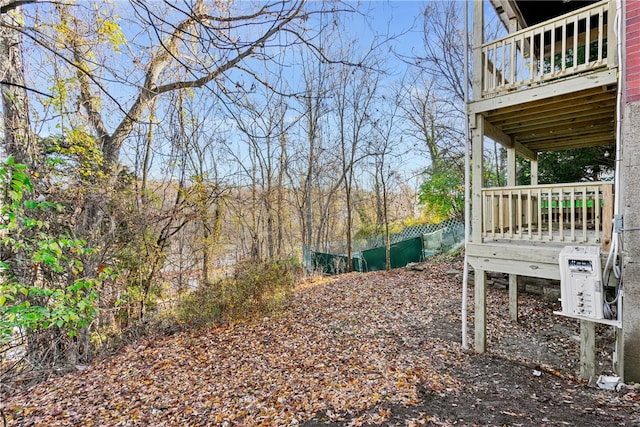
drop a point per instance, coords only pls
(497, 135)
(520, 268)
(570, 85)
(532, 253)
(520, 259)
(507, 141)
(587, 349)
(525, 152)
(509, 13)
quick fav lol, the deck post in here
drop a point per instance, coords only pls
(480, 310)
(534, 172)
(478, 40)
(513, 278)
(513, 297)
(618, 355)
(587, 349)
(612, 48)
(479, 291)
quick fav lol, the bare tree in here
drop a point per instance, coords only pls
(355, 93)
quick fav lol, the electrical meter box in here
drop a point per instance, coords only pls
(581, 286)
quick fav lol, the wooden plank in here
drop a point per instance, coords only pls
(565, 142)
(569, 115)
(596, 95)
(547, 141)
(587, 349)
(580, 126)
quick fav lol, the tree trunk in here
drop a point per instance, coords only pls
(19, 142)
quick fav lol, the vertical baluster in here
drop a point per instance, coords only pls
(596, 212)
(587, 38)
(532, 57)
(513, 52)
(561, 207)
(511, 224)
(540, 214)
(600, 34)
(540, 56)
(530, 213)
(485, 59)
(519, 214)
(503, 68)
(575, 42)
(501, 212)
(552, 60)
(573, 214)
(485, 214)
(493, 216)
(563, 56)
(585, 215)
(550, 210)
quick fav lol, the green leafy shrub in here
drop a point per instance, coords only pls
(255, 289)
(45, 290)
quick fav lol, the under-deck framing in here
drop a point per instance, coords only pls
(547, 87)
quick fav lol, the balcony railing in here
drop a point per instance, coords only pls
(570, 44)
(572, 213)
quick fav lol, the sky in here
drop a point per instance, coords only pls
(400, 20)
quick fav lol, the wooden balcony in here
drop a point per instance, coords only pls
(578, 213)
(571, 44)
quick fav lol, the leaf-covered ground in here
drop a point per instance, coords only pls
(363, 349)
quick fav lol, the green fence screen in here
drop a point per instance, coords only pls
(402, 253)
(413, 244)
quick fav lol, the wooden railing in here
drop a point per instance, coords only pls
(575, 213)
(570, 44)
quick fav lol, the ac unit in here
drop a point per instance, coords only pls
(581, 287)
